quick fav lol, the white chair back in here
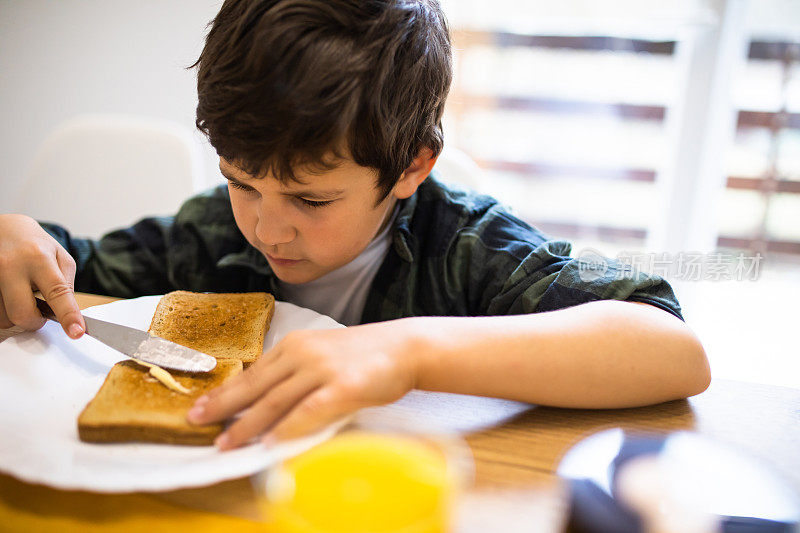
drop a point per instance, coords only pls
(457, 168)
(95, 173)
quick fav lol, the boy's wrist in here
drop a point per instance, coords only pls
(406, 343)
(420, 347)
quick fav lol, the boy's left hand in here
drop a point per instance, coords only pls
(308, 380)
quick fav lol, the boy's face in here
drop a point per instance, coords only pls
(306, 230)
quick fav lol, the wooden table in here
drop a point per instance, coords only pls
(516, 447)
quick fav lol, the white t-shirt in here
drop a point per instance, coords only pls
(342, 293)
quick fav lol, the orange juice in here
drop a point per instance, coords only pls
(362, 482)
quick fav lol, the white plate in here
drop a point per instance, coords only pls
(46, 379)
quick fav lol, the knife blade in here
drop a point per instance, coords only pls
(141, 345)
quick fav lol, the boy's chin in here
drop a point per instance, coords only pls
(295, 275)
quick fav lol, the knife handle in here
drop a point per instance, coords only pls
(45, 309)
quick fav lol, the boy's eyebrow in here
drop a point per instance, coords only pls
(229, 176)
(316, 195)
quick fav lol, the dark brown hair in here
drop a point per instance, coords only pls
(287, 83)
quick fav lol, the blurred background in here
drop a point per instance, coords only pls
(643, 130)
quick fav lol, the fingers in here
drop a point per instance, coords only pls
(316, 411)
(55, 281)
(18, 301)
(5, 322)
(53, 275)
(240, 391)
(66, 264)
(267, 410)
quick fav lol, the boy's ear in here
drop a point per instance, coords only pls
(415, 174)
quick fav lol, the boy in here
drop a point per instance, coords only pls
(327, 120)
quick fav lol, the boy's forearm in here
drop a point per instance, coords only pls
(603, 354)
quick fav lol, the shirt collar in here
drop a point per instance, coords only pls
(406, 243)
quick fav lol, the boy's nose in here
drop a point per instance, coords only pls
(274, 231)
(273, 226)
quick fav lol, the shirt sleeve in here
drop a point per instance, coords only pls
(125, 263)
(515, 269)
(156, 254)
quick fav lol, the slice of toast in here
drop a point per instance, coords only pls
(225, 325)
(131, 405)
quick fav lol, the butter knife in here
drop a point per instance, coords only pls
(141, 345)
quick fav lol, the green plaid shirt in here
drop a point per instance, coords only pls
(454, 253)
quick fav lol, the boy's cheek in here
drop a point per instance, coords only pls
(244, 222)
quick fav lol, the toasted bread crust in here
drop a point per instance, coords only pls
(145, 434)
(133, 406)
(225, 325)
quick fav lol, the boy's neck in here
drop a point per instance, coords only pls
(387, 217)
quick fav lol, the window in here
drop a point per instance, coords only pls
(578, 113)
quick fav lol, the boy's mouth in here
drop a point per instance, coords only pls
(282, 261)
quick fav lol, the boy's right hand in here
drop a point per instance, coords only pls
(30, 260)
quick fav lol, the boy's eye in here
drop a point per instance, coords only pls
(239, 186)
(311, 203)
(308, 203)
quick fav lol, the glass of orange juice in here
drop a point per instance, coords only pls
(371, 477)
